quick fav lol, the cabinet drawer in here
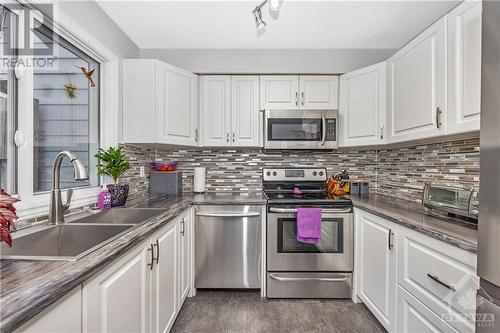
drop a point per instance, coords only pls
(415, 317)
(442, 276)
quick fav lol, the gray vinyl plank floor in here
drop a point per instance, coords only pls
(223, 311)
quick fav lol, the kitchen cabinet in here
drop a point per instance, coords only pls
(230, 110)
(216, 110)
(375, 266)
(159, 103)
(464, 67)
(65, 316)
(299, 92)
(164, 278)
(145, 289)
(363, 106)
(412, 282)
(417, 86)
(118, 299)
(415, 317)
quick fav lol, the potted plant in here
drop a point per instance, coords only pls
(112, 163)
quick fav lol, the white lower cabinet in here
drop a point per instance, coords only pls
(375, 260)
(65, 316)
(145, 289)
(412, 282)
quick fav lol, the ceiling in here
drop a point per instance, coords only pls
(298, 25)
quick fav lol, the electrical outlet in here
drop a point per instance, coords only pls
(142, 173)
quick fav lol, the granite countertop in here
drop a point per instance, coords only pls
(412, 215)
(29, 286)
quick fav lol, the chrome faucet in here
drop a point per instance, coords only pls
(57, 209)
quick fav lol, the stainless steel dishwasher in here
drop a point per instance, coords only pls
(228, 246)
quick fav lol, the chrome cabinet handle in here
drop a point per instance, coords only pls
(382, 132)
(182, 226)
(227, 135)
(293, 210)
(157, 244)
(389, 240)
(444, 284)
(438, 117)
(196, 135)
(296, 98)
(302, 94)
(152, 257)
(228, 214)
(291, 279)
(323, 136)
(234, 140)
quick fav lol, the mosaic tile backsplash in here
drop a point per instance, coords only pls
(398, 171)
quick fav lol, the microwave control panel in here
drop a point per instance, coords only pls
(331, 129)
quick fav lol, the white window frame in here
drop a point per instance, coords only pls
(34, 205)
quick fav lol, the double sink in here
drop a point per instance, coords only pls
(79, 236)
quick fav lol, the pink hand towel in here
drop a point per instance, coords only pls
(309, 225)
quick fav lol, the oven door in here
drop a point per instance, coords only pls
(333, 253)
(300, 129)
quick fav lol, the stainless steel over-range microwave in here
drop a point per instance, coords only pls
(300, 129)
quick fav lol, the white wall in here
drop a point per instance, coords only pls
(269, 61)
(88, 15)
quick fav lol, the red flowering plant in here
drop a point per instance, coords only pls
(7, 216)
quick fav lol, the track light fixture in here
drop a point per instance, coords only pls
(257, 12)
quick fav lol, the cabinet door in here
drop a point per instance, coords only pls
(415, 317)
(139, 101)
(376, 266)
(117, 300)
(279, 92)
(319, 92)
(164, 282)
(184, 256)
(363, 106)
(216, 110)
(176, 105)
(417, 86)
(245, 111)
(464, 67)
(65, 316)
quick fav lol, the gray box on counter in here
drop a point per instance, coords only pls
(360, 188)
(165, 182)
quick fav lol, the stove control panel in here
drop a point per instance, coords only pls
(294, 174)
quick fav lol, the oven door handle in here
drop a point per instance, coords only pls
(293, 279)
(323, 134)
(294, 210)
(228, 214)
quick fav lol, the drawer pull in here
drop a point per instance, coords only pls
(444, 284)
(390, 245)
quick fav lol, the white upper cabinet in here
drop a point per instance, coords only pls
(230, 110)
(245, 111)
(279, 92)
(417, 86)
(319, 92)
(464, 67)
(363, 106)
(216, 110)
(159, 103)
(176, 105)
(299, 92)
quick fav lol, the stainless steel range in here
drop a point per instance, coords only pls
(299, 270)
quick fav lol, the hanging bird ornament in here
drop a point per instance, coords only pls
(88, 74)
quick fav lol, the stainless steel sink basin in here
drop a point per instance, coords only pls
(63, 242)
(119, 216)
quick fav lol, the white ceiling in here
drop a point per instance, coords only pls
(299, 24)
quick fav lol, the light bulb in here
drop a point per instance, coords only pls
(275, 4)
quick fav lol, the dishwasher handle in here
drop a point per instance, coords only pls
(228, 214)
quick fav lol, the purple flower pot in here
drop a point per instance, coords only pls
(119, 194)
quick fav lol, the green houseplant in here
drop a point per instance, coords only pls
(112, 163)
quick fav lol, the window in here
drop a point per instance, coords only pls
(8, 85)
(65, 111)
